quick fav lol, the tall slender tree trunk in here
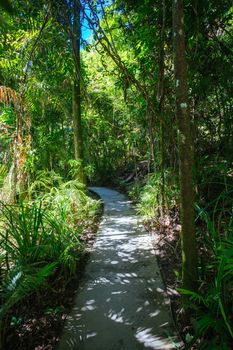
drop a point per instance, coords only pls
(160, 100)
(151, 119)
(189, 250)
(77, 121)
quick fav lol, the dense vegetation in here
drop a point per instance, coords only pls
(145, 104)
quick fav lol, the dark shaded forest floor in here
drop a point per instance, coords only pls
(165, 235)
(166, 242)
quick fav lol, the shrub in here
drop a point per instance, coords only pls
(154, 195)
(212, 305)
(39, 238)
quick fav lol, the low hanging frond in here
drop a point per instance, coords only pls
(8, 96)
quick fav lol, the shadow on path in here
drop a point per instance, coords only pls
(121, 303)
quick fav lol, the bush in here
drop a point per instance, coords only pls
(212, 305)
(44, 182)
(71, 206)
(39, 238)
(154, 195)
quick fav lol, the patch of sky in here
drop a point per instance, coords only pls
(87, 32)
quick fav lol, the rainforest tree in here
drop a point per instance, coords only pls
(189, 251)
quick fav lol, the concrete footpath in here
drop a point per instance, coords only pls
(120, 303)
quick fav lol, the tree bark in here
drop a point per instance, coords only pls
(160, 103)
(189, 250)
(78, 139)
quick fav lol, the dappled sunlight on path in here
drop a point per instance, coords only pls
(121, 303)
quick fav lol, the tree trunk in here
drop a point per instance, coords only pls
(160, 103)
(78, 140)
(22, 145)
(15, 184)
(189, 250)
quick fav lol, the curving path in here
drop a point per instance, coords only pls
(121, 303)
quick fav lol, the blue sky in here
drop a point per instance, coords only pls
(86, 32)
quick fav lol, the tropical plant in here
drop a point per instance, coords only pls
(16, 284)
(32, 236)
(212, 304)
(40, 238)
(154, 195)
(44, 182)
(3, 174)
(70, 203)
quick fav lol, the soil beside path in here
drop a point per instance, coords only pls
(121, 303)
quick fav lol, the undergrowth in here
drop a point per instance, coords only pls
(40, 238)
(156, 196)
(211, 307)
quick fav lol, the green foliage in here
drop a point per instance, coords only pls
(72, 208)
(20, 282)
(44, 182)
(7, 127)
(40, 238)
(3, 174)
(31, 236)
(6, 5)
(7, 116)
(213, 305)
(75, 167)
(150, 197)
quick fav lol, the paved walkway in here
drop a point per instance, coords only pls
(120, 304)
